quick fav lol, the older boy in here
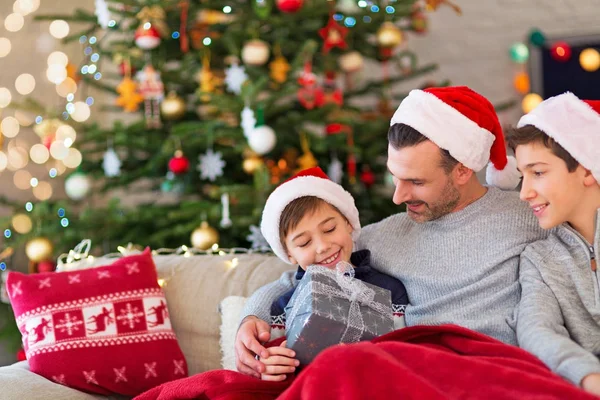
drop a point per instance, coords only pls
(557, 150)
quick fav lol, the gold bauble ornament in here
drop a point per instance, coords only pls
(389, 35)
(204, 236)
(172, 107)
(255, 52)
(590, 60)
(351, 62)
(251, 164)
(39, 249)
(21, 223)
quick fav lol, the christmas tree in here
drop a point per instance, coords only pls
(232, 97)
(221, 101)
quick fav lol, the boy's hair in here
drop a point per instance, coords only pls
(530, 134)
(293, 213)
(401, 135)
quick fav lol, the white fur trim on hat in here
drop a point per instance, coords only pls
(445, 126)
(301, 186)
(573, 124)
(505, 179)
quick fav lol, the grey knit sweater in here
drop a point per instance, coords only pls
(560, 308)
(462, 268)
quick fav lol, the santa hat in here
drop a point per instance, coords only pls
(309, 182)
(464, 123)
(572, 123)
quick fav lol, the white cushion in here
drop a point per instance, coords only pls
(231, 309)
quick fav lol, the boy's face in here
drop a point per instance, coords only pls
(551, 190)
(323, 237)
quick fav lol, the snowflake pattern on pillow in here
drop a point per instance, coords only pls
(101, 330)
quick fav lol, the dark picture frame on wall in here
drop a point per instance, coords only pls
(551, 76)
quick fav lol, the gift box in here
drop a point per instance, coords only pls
(330, 307)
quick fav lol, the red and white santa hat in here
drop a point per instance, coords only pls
(309, 182)
(572, 123)
(464, 123)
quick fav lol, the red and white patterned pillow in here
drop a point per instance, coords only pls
(101, 330)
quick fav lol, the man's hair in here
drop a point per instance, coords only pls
(401, 135)
(530, 134)
(293, 213)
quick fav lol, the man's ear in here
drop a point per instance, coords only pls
(588, 178)
(461, 174)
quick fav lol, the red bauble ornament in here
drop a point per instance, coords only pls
(335, 128)
(45, 266)
(147, 39)
(289, 6)
(21, 356)
(179, 164)
(367, 177)
(561, 51)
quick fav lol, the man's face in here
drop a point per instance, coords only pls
(428, 191)
(553, 193)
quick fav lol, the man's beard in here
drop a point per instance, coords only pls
(447, 202)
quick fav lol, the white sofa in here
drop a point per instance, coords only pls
(195, 287)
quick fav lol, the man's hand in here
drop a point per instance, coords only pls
(591, 383)
(279, 363)
(251, 333)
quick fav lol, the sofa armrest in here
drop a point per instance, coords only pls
(18, 382)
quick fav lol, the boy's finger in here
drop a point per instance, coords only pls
(274, 378)
(279, 369)
(280, 360)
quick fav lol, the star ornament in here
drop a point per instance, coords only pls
(334, 35)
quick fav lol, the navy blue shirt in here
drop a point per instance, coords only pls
(362, 270)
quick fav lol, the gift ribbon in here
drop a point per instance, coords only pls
(354, 290)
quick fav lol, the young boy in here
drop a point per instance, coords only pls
(557, 147)
(309, 220)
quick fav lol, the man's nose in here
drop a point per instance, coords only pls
(401, 193)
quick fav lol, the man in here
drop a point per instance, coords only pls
(457, 247)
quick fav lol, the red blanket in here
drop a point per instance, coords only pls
(421, 362)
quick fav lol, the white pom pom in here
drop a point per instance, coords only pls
(505, 179)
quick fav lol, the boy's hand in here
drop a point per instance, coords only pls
(279, 363)
(591, 383)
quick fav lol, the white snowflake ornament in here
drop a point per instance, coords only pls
(211, 165)
(257, 240)
(248, 121)
(235, 76)
(111, 163)
(102, 13)
(335, 172)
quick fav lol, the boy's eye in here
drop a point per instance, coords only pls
(417, 183)
(330, 230)
(538, 173)
(304, 244)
